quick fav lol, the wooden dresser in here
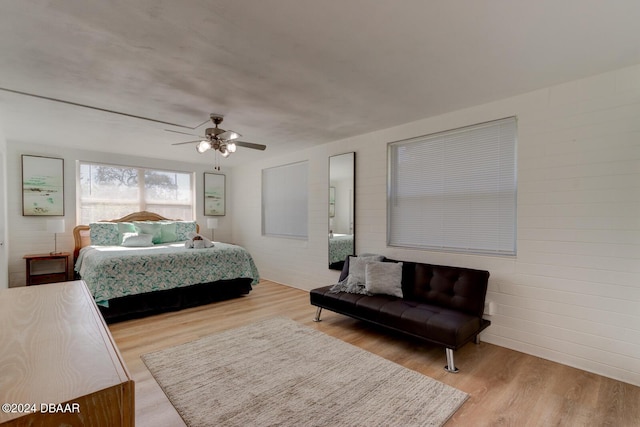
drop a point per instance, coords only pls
(57, 354)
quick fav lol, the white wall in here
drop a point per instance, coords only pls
(28, 235)
(572, 293)
(4, 250)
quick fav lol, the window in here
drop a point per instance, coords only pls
(109, 191)
(284, 200)
(455, 190)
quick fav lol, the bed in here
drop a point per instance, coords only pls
(139, 265)
(340, 246)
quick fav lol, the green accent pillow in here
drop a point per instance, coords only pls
(168, 232)
(150, 227)
(125, 227)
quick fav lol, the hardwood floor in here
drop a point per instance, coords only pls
(505, 387)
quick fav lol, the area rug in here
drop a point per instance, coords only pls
(280, 373)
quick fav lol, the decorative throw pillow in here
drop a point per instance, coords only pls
(184, 228)
(150, 227)
(345, 269)
(355, 280)
(357, 270)
(125, 227)
(384, 278)
(137, 240)
(168, 232)
(104, 234)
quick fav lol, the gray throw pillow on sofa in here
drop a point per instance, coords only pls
(384, 278)
(355, 281)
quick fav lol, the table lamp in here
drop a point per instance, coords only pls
(212, 223)
(55, 226)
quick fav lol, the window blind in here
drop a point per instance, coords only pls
(455, 190)
(284, 200)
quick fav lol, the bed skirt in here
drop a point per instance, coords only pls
(136, 306)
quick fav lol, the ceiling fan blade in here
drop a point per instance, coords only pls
(229, 135)
(186, 142)
(250, 145)
(183, 133)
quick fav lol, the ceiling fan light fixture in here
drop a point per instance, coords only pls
(203, 146)
(219, 140)
(223, 151)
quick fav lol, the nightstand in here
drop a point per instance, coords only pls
(47, 268)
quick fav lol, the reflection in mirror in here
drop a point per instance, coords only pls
(341, 208)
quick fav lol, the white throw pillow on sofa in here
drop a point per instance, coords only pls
(384, 278)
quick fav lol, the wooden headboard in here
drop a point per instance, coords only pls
(81, 233)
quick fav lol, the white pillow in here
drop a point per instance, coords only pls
(137, 240)
(384, 278)
(357, 269)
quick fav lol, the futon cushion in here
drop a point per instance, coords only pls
(462, 289)
(444, 326)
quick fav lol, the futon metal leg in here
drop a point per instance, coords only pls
(477, 339)
(451, 366)
(318, 311)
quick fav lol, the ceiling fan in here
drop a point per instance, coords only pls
(220, 140)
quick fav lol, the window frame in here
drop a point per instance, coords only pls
(142, 202)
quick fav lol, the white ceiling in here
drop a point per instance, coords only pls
(286, 73)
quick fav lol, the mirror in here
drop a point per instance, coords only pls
(341, 208)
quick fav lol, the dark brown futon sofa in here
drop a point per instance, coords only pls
(439, 304)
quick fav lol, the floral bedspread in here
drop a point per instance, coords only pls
(340, 246)
(115, 271)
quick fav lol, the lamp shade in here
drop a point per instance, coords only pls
(55, 225)
(203, 146)
(212, 223)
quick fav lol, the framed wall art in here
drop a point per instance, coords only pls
(42, 186)
(214, 194)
